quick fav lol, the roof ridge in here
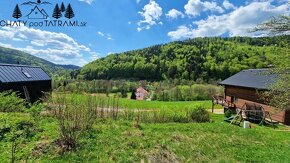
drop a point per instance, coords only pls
(259, 69)
(17, 65)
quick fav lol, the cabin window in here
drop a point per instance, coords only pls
(27, 74)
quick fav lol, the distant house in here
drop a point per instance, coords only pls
(36, 13)
(141, 94)
(29, 81)
(246, 87)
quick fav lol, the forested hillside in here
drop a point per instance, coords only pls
(195, 59)
(11, 56)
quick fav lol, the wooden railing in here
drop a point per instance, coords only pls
(220, 100)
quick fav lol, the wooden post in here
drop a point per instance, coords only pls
(212, 106)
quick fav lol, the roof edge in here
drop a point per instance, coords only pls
(16, 65)
(262, 89)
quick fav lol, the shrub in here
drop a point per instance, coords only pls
(10, 102)
(17, 132)
(187, 93)
(228, 113)
(199, 114)
(35, 110)
(76, 115)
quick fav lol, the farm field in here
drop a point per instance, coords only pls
(128, 141)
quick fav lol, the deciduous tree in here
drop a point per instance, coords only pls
(279, 94)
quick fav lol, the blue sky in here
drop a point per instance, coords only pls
(121, 25)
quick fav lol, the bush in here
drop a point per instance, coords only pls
(35, 110)
(187, 93)
(199, 114)
(228, 113)
(10, 102)
(75, 115)
(17, 131)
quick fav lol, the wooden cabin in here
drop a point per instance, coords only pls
(29, 81)
(247, 86)
(141, 94)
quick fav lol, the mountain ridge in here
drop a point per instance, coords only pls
(198, 59)
(13, 56)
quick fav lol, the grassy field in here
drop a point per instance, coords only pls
(134, 104)
(126, 141)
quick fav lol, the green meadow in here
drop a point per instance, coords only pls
(127, 140)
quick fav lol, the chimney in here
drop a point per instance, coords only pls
(18, 63)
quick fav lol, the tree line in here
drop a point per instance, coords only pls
(199, 59)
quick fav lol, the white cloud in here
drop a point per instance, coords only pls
(139, 29)
(138, 1)
(56, 47)
(228, 5)
(107, 36)
(94, 55)
(5, 45)
(87, 1)
(174, 14)
(151, 14)
(236, 23)
(195, 7)
(181, 32)
(101, 34)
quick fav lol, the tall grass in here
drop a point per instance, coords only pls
(109, 108)
(76, 114)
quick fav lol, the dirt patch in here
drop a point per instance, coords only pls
(40, 149)
(217, 111)
(162, 155)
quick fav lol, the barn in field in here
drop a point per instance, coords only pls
(31, 82)
(247, 86)
(141, 94)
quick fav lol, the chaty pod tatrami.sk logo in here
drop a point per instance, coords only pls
(43, 13)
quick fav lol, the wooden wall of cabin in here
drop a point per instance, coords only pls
(240, 96)
(35, 89)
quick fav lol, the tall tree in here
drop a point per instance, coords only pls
(62, 7)
(17, 13)
(279, 94)
(69, 12)
(56, 12)
(276, 25)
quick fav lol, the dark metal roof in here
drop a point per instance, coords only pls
(252, 78)
(21, 73)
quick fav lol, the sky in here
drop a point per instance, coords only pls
(113, 26)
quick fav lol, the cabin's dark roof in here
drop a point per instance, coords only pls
(252, 78)
(21, 73)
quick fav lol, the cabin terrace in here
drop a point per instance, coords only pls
(247, 86)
